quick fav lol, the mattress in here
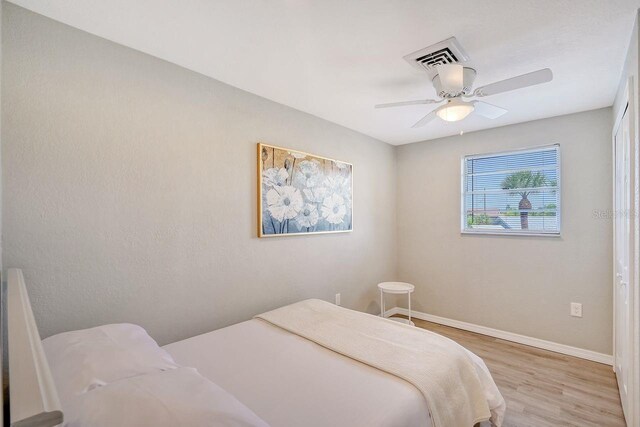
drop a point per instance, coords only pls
(290, 381)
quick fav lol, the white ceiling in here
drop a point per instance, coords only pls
(335, 59)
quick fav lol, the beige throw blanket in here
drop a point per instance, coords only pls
(435, 365)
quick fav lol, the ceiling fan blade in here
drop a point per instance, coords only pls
(530, 79)
(426, 119)
(404, 103)
(487, 110)
(451, 77)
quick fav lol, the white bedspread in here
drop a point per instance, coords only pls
(290, 381)
(437, 366)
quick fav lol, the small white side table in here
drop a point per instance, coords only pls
(396, 288)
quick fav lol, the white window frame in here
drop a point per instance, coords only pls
(463, 192)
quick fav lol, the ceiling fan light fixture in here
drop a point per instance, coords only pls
(455, 110)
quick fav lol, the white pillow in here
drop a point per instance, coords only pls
(179, 397)
(83, 360)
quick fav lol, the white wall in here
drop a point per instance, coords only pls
(130, 191)
(129, 195)
(517, 284)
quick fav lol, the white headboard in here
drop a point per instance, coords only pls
(33, 400)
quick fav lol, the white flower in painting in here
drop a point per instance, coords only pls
(308, 174)
(284, 202)
(341, 185)
(307, 217)
(341, 165)
(315, 194)
(275, 177)
(297, 155)
(333, 209)
(337, 184)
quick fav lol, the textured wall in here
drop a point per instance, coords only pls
(130, 191)
(129, 195)
(517, 284)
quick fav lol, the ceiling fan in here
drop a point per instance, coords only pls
(453, 84)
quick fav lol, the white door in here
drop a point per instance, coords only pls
(622, 198)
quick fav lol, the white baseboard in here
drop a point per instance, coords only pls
(607, 359)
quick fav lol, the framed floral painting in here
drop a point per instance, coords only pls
(300, 193)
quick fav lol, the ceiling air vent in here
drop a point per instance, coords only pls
(448, 51)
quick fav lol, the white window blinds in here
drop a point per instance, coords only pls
(515, 192)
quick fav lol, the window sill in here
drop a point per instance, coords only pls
(510, 233)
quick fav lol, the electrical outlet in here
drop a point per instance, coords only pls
(337, 299)
(576, 309)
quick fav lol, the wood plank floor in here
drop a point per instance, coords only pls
(543, 388)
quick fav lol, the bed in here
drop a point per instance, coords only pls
(274, 376)
(305, 383)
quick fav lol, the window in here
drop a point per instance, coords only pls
(515, 192)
